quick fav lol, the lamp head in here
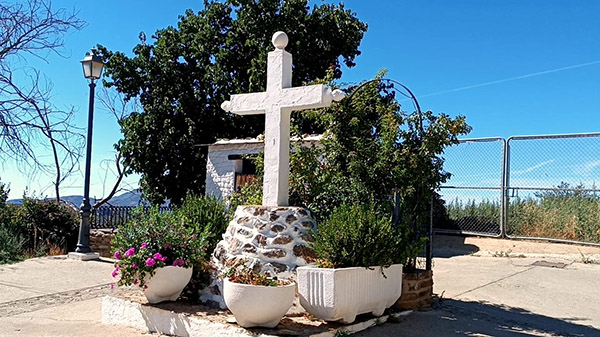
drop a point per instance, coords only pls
(92, 66)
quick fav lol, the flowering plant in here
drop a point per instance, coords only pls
(153, 240)
(246, 275)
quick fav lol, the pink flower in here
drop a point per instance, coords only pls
(133, 265)
(158, 256)
(135, 282)
(181, 263)
(116, 271)
(144, 245)
(130, 252)
(150, 262)
(112, 286)
(117, 255)
(178, 262)
(167, 246)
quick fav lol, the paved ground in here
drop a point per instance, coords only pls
(489, 296)
(482, 293)
(56, 296)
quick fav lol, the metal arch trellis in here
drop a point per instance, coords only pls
(408, 94)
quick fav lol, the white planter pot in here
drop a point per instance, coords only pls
(341, 294)
(258, 305)
(167, 283)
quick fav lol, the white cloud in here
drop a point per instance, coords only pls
(589, 167)
(533, 168)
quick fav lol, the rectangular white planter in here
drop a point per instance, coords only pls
(341, 294)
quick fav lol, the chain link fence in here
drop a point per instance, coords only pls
(536, 187)
(553, 187)
(470, 201)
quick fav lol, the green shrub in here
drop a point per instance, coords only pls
(206, 216)
(360, 236)
(48, 224)
(11, 241)
(11, 246)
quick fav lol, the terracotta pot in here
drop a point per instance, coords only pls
(167, 283)
(258, 305)
(341, 294)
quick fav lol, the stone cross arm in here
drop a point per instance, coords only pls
(292, 99)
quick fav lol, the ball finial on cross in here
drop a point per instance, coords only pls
(280, 40)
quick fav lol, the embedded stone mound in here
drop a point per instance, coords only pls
(272, 240)
(269, 239)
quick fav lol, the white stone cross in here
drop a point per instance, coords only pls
(277, 103)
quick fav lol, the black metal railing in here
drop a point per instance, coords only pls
(114, 216)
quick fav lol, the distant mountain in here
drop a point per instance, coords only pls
(131, 198)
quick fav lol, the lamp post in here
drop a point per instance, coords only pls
(92, 69)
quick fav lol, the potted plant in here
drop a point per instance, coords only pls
(355, 274)
(255, 299)
(157, 252)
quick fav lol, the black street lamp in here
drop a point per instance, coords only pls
(92, 69)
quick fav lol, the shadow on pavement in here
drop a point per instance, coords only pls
(445, 246)
(463, 318)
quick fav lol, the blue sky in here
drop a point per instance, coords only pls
(512, 67)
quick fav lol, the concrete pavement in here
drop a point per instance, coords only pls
(56, 296)
(492, 287)
(482, 293)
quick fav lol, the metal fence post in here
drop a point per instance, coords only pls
(505, 186)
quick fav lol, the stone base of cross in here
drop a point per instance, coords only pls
(277, 103)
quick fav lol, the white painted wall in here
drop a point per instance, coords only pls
(220, 171)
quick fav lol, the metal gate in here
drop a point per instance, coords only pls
(553, 185)
(470, 201)
(536, 187)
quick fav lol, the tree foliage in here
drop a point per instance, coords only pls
(186, 72)
(29, 122)
(373, 149)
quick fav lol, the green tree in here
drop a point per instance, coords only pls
(183, 76)
(373, 149)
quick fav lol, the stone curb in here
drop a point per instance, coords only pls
(117, 311)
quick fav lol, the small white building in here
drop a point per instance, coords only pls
(229, 165)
